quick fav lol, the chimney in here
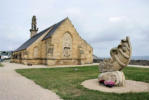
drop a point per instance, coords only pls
(34, 28)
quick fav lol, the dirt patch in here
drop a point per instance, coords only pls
(130, 86)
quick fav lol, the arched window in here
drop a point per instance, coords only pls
(67, 45)
(35, 52)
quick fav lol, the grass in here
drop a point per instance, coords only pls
(66, 82)
(1, 65)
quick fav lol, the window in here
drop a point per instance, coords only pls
(25, 53)
(66, 51)
(35, 52)
(67, 45)
(81, 52)
(20, 56)
(50, 50)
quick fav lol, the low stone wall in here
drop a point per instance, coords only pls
(132, 62)
(45, 61)
(97, 60)
(139, 62)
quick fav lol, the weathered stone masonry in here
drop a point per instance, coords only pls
(59, 44)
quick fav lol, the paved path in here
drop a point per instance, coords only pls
(13, 86)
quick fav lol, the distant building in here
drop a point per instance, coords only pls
(58, 44)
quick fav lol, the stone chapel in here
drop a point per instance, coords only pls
(59, 44)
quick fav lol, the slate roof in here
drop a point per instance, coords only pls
(53, 29)
(34, 38)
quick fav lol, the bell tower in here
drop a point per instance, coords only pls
(34, 28)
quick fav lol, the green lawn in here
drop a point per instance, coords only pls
(1, 65)
(66, 82)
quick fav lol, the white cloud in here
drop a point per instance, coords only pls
(101, 23)
(117, 19)
(73, 11)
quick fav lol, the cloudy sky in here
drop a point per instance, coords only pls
(102, 23)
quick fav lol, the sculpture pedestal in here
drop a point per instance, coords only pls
(116, 78)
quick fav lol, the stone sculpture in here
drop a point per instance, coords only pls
(111, 69)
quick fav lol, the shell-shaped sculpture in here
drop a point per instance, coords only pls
(120, 57)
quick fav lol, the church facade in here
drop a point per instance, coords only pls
(59, 44)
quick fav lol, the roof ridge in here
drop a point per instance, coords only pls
(50, 33)
(42, 31)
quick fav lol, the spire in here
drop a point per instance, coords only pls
(34, 28)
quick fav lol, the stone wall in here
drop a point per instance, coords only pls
(68, 45)
(139, 62)
(132, 62)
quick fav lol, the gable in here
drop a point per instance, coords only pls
(68, 27)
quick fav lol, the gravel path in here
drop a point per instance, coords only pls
(130, 86)
(13, 86)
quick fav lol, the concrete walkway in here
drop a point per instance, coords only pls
(13, 86)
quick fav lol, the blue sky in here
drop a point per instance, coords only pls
(102, 23)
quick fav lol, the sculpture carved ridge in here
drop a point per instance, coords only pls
(120, 57)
